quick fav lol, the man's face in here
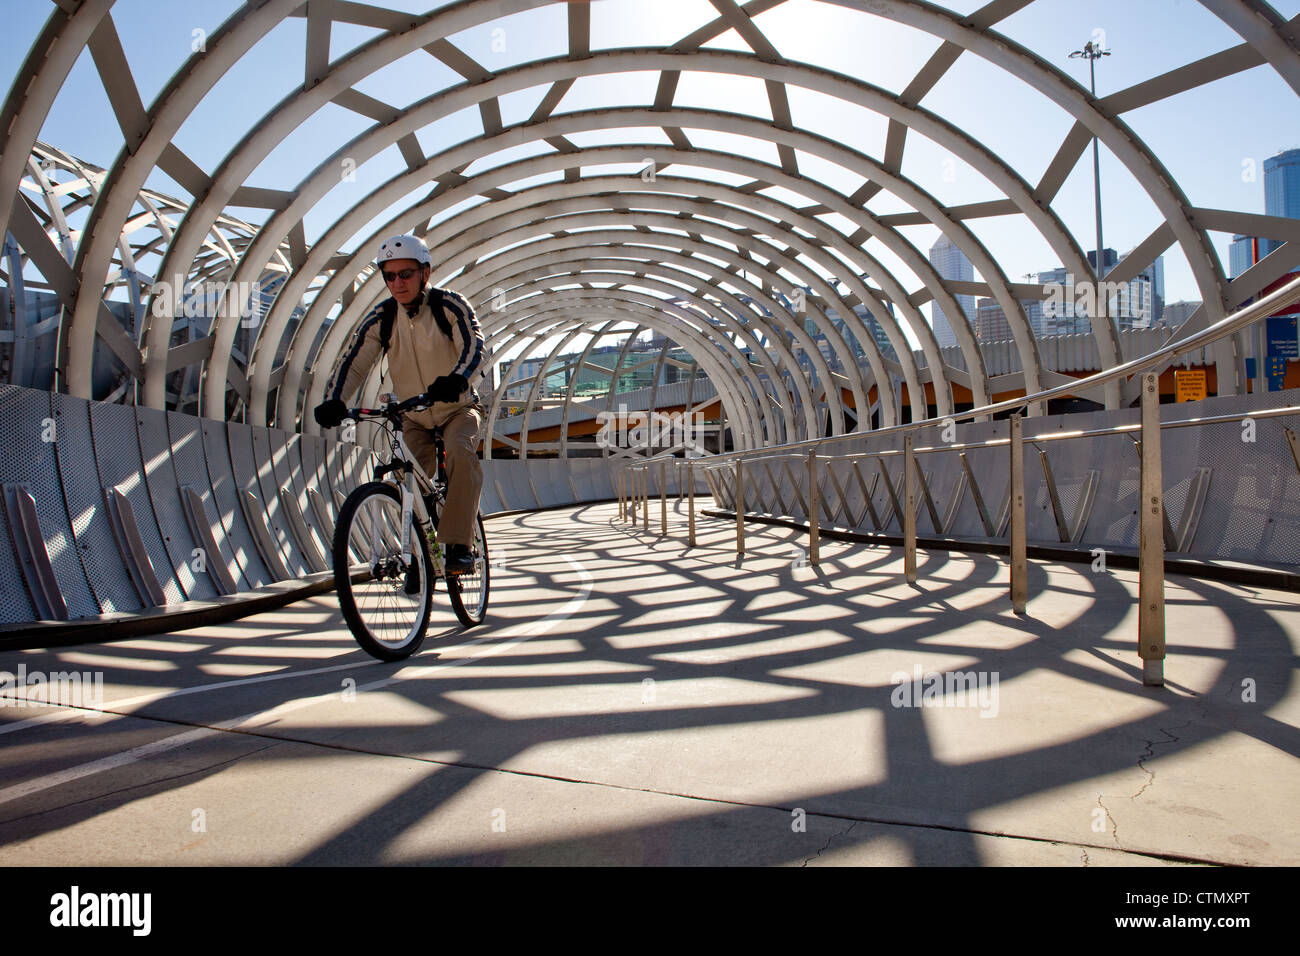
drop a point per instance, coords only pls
(404, 278)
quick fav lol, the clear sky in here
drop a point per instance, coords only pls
(1211, 139)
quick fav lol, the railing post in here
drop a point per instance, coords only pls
(1019, 566)
(740, 506)
(645, 497)
(690, 503)
(814, 510)
(663, 496)
(909, 511)
(622, 504)
(1151, 559)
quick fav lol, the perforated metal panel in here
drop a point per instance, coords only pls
(186, 440)
(16, 408)
(268, 450)
(243, 462)
(28, 424)
(117, 455)
(216, 451)
(107, 578)
(312, 476)
(164, 495)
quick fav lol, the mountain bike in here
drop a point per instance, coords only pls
(386, 559)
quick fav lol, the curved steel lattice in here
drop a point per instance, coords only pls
(798, 298)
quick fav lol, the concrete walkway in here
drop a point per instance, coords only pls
(632, 701)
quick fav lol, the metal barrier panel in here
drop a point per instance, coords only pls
(23, 415)
(309, 449)
(116, 440)
(165, 497)
(488, 501)
(287, 463)
(1252, 506)
(190, 462)
(105, 574)
(551, 482)
(268, 451)
(225, 490)
(246, 479)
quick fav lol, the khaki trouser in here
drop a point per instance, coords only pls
(460, 436)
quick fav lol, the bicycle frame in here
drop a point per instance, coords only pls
(414, 479)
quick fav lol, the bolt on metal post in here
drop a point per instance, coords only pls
(1151, 545)
(1019, 564)
(814, 507)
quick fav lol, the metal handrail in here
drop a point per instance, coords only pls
(1247, 315)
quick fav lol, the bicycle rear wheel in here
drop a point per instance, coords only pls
(385, 602)
(469, 592)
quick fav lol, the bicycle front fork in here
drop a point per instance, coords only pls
(415, 511)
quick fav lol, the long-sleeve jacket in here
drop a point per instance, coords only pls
(419, 352)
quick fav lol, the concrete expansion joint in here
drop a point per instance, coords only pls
(829, 840)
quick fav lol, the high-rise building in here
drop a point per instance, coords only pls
(1135, 304)
(1282, 184)
(951, 264)
(1281, 198)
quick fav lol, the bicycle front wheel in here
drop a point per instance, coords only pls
(469, 592)
(385, 600)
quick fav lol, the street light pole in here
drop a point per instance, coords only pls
(1092, 52)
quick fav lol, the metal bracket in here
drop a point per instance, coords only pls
(955, 504)
(867, 496)
(893, 495)
(255, 516)
(989, 529)
(201, 529)
(130, 545)
(321, 510)
(33, 558)
(301, 533)
(1197, 492)
(929, 502)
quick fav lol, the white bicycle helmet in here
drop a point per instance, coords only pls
(403, 247)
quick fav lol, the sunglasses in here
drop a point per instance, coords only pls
(404, 275)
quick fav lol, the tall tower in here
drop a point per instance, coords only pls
(951, 264)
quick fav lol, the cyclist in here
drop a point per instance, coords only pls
(434, 346)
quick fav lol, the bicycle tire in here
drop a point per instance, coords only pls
(387, 622)
(469, 592)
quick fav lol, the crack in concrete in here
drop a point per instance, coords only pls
(1114, 824)
(1150, 752)
(830, 839)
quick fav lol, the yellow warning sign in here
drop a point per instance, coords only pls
(1189, 384)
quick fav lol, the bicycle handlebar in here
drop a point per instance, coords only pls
(392, 409)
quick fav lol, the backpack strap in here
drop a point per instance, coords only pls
(388, 315)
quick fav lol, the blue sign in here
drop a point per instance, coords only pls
(1281, 335)
(1275, 371)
